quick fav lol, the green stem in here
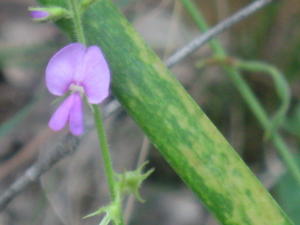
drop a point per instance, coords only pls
(105, 151)
(281, 86)
(200, 21)
(286, 156)
(107, 161)
(246, 92)
(108, 169)
(77, 21)
(97, 113)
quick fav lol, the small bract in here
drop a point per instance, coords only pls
(78, 71)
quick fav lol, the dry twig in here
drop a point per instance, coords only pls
(214, 31)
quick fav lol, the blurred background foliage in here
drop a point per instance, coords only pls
(75, 187)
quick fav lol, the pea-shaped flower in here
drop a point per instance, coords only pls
(80, 71)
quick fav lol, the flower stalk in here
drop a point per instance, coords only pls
(105, 151)
(117, 217)
(78, 28)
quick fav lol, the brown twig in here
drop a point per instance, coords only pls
(65, 147)
(26, 154)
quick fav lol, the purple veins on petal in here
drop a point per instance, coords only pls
(76, 116)
(39, 14)
(62, 67)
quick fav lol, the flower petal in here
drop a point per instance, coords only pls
(76, 116)
(61, 115)
(62, 68)
(39, 14)
(96, 77)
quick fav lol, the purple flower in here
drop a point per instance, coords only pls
(39, 14)
(82, 71)
(48, 13)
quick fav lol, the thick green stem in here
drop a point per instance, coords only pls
(247, 94)
(105, 151)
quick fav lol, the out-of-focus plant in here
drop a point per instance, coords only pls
(232, 69)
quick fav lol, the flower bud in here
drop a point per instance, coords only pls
(47, 13)
(39, 14)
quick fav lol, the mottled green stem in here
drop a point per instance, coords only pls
(246, 92)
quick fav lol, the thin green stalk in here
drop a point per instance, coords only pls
(262, 117)
(200, 21)
(287, 157)
(108, 169)
(105, 151)
(281, 87)
(107, 163)
(97, 113)
(78, 28)
(246, 93)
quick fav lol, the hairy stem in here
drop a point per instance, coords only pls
(109, 172)
(77, 21)
(108, 169)
(105, 151)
